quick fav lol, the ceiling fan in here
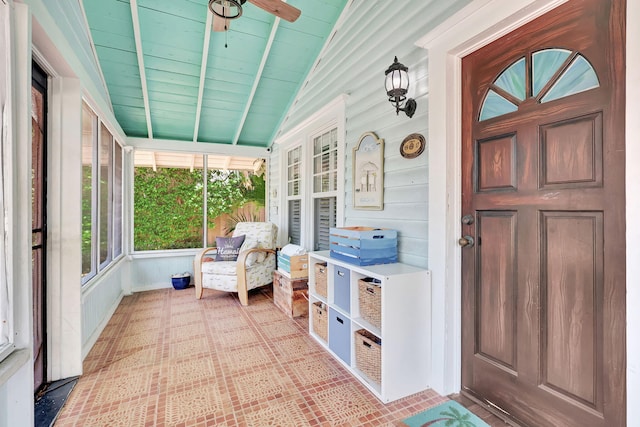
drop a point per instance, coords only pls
(225, 11)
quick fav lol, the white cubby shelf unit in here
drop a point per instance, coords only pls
(404, 332)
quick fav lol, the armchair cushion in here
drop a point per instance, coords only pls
(225, 268)
(229, 247)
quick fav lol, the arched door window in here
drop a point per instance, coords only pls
(554, 74)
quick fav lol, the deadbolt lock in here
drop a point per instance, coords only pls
(467, 219)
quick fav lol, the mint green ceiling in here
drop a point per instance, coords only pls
(242, 93)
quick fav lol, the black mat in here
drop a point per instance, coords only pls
(51, 399)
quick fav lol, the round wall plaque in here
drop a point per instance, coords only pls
(412, 146)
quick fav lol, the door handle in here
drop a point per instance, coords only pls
(465, 241)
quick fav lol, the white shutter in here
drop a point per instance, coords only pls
(295, 221)
(325, 216)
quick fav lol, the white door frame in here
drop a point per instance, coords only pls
(473, 27)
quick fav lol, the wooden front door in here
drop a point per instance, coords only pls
(543, 264)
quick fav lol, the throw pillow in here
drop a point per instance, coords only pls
(228, 248)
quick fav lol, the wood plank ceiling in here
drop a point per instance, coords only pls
(169, 76)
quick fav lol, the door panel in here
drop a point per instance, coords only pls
(543, 288)
(571, 153)
(571, 283)
(496, 322)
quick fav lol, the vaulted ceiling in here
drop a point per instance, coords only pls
(169, 76)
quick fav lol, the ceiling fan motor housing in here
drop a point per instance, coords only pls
(227, 9)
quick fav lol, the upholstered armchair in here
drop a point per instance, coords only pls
(254, 267)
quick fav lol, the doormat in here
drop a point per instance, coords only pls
(450, 413)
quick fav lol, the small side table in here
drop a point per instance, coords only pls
(291, 295)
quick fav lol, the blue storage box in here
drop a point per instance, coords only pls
(342, 288)
(340, 335)
(364, 245)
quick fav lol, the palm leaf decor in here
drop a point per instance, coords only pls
(448, 414)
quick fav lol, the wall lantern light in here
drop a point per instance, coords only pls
(396, 83)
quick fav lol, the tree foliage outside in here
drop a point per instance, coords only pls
(168, 204)
(86, 218)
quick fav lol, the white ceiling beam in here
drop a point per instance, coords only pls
(203, 72)
(143, 74)
(197, 147)
(265, 56)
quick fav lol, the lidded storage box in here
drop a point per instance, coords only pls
(364, 245)
(369, 297)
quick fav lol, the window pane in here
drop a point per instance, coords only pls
(295, 221)
(293, 171)
(334, 173)
(578, 77)
(105, 159)
(545, 64)
(168, 205)
(228, 195)
(325, 216)
(325, 162)
(117, 201)
(89, 141)
(512, 80)
(495, 105)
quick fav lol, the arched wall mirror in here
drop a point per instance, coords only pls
(368, 173)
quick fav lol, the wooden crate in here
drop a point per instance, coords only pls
(364, 245)
(290, 295)
(295, 267)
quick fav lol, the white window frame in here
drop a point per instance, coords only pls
(6, 289)
(330, 116)
(96, 266)
(310, 179)
(301, 190)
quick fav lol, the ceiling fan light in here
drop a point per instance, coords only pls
(226, 9)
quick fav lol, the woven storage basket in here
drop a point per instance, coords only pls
(368, 354)
(321, 279)
(369, 296)
(319, 316)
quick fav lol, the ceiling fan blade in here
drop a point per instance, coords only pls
(278, 8)
(220, 24)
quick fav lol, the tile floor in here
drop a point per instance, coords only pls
(166, 358)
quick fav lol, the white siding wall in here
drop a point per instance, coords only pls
(354, 63)
(99, 301)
